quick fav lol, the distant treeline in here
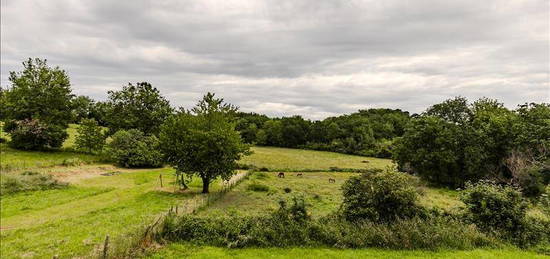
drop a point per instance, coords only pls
(366, 132)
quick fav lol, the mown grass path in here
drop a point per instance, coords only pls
(72, 221)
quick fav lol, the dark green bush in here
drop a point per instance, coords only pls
(132, 148)
(383, 196)
(501, 211)
(32, 134)
(257, 187)
(28, 181)
(287, 190)
(494, 207)
(544, 201)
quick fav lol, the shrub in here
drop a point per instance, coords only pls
(257, 187)
(494, 207)
(72, 162)
(28, 181)
(90, 136)
(292, 226)
(382, 196)
(32, 134)
(544, 201)
(287, 190)
(132, 148)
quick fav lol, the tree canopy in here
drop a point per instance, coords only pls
(203, 141)
(139, 106)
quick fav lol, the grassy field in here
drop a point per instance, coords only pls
(13, 159)
(72, 221)
(322, 197)
(286, 159)
(188, 251)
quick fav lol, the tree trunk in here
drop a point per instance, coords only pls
(205, 185)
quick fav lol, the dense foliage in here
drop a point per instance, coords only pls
(381, 196)
(33, 134)
(291, 226)
(37, 105)
(90, 136)
(137, 106)
(455, 142)
(133, 148)
(367, 132)
(203, 141)
(503, 210)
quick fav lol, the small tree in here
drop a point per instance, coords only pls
(203, 141)
(90, 136)
(132, 148)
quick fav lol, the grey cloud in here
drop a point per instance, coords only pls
(316, 58)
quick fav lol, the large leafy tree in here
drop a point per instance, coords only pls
(37, 106)
(39, 92)
(203, 141)
(137, 106)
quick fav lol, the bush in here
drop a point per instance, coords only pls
(257, 187)
(132, 148)
(382, 196)
(72, 162)
(544, 201)
(90, 137)
(28, 181)
(32, 134)
(494, 207)
(292, 226)
(287, 190)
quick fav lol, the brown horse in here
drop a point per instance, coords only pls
(281, 175)
(331, 180)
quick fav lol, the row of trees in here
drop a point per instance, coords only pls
(449, 144)
(367, 132)
(144, 130)
(454, 142)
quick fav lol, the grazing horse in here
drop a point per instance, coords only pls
(299, 174)
(331, 180)
(281, 175)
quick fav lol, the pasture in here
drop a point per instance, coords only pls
(103, 199)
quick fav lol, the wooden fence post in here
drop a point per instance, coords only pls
(160, 177)
(106, 247)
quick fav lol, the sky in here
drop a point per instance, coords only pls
(281, 58)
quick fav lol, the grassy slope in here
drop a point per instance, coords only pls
(323, 197)
(12, 159)
(286, 159)
(71, 221)
(187, 251)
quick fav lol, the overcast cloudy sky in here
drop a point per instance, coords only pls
(314, 58)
